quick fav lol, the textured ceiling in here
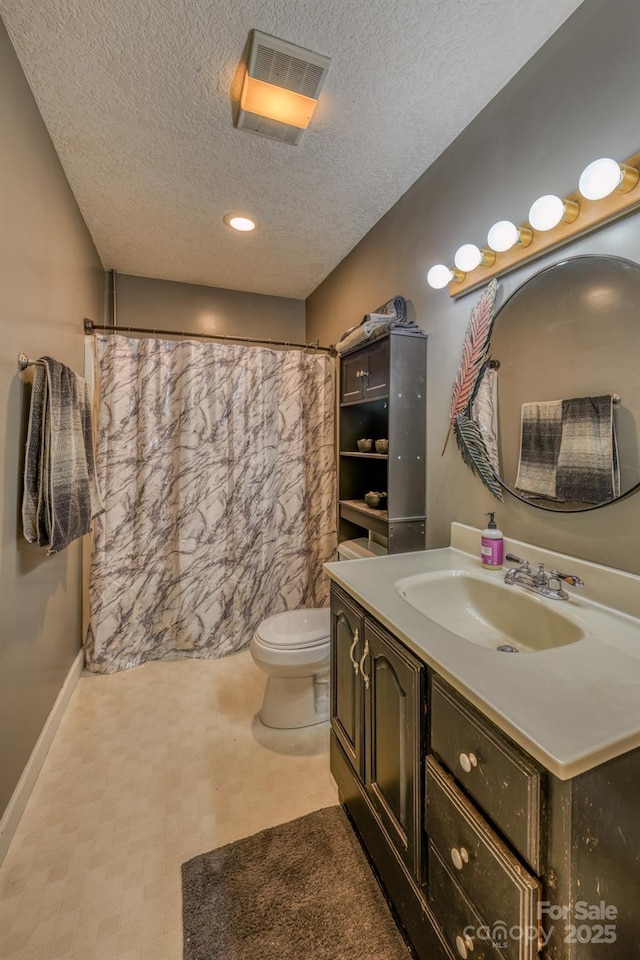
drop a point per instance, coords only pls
(136, 96)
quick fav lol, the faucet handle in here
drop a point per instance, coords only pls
(523, 563)
(568, 578)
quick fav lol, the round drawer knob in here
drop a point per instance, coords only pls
(468, 761)
(464, 946)
(459, 857)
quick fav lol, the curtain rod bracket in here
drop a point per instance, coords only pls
(89, 326)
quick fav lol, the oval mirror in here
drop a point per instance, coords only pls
(567, 383)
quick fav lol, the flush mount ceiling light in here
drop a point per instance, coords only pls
(602, 177)
(237, 222)
(504, 234)
(548, 211)
(280, 90)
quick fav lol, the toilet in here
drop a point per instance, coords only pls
(292, 648)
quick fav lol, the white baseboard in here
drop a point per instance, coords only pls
(11, 817)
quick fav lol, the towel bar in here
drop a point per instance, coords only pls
(24, 361)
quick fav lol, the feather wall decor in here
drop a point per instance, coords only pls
(474, 357)
(474, 453)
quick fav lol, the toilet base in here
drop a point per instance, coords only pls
(291, 702)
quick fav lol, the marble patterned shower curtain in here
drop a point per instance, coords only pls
(216, 465)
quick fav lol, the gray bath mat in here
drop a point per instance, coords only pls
(300, 891)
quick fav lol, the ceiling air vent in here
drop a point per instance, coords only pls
(281, 86)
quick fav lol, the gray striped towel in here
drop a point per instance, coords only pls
(540, 436)
(588, 457)
(569, 450)
(60, 488)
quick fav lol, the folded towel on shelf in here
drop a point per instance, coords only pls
(391, 316)
(588, 470)
(60, 488)
(540, 436)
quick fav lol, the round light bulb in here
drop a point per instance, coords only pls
(547, 212)
(503, 235)
(244, 224)
(468, 257)
(600, 179)
(439, 276)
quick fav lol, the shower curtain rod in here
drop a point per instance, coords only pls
(90, 327)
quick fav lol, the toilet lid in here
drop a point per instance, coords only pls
(296, 628)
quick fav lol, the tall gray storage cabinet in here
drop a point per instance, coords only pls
(383, 396)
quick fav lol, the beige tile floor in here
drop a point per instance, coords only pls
(148, 768)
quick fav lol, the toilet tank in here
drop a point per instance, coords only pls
(359, 549)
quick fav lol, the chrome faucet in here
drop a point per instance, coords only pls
(547, 585)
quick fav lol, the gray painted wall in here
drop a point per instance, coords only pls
(576, 99)
(167, 305)
(50, 278)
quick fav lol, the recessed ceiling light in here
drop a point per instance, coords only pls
(239, 223)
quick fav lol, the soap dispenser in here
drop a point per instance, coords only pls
(492, 544)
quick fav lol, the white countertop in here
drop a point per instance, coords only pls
(573, 707)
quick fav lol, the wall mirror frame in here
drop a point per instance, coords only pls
(567, 335)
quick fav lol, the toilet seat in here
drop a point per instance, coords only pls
(293, 649)
(295, 630)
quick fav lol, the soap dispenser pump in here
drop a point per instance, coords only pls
(492, 544)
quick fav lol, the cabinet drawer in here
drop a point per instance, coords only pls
(461, 924)
(488, 873)
(505, 783)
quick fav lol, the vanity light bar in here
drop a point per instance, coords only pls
(607, 191)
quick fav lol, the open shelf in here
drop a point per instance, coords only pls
(361, 403)
(362, 507)
(366, 456)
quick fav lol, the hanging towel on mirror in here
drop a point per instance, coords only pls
(540, 436)
(60, 488)
(484, 410)
(588, 469)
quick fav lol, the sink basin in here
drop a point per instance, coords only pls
(490, 613)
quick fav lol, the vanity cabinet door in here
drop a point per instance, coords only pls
(352, 371)
(392, 680)
(376, 381)
(347, 705)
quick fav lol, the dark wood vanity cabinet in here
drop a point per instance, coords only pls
(347, 700)
(503, 781)
(376, 697)
(471, 838)
(392, 679)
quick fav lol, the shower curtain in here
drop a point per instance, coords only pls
(216, 466)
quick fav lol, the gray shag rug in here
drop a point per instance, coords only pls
(300, 891)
